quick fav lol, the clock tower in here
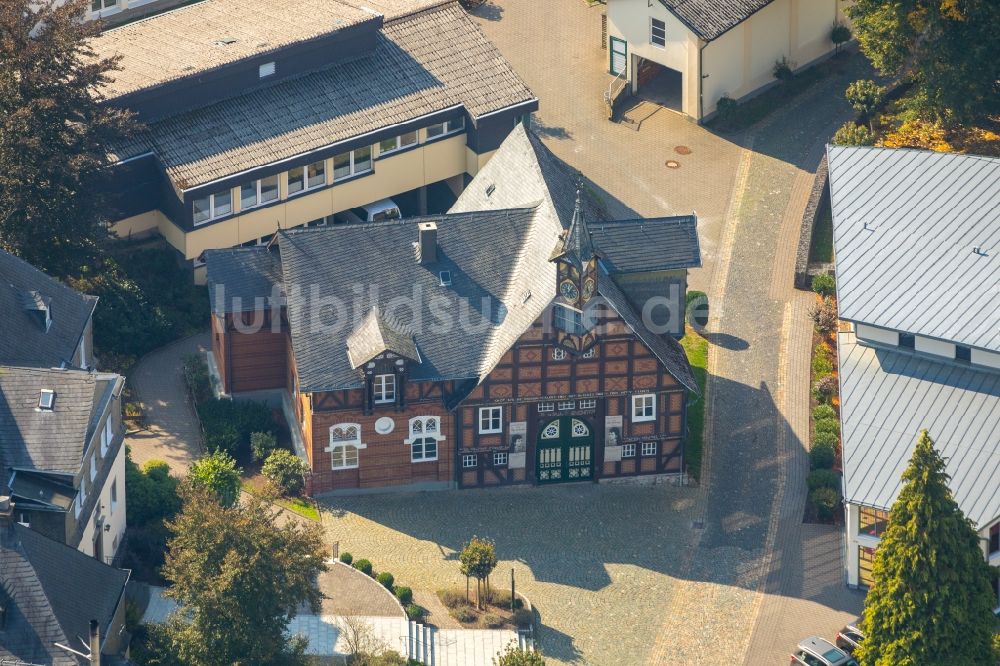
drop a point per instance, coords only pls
(574, 316)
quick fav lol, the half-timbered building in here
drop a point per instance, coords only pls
(523, 337)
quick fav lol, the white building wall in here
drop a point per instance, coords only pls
(936, 347)
(877, 334)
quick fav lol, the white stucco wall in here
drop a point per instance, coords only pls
(883, 336)
(113, 516)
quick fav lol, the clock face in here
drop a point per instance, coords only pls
(588, 288)
(569, 291)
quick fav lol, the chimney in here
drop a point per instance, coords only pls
(427, 243)
(95, 643)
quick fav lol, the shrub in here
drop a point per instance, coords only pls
(726, 108)
(346, 558)
(218, 473)
(499, 597)
(822, 364)
(824, 316)
(821, 456)
(824, 412)
(229, 423)
(404, 594)
(453, 598)
(463, 614)
(825, 501)
(222, 437)
(517, 656)
(262, 444)
(839, 34)
(696, 308)
(827, 425)
(852, 134)
(825, 388)
(492, 621)
(286, 470)
(825, 439)
(523, 618)
(414, 612)
(782, 69)
(364, 566)
(152, 492)
(865, 96)
(196, 376)
(823, 478)
(824, 284)
(386, 579)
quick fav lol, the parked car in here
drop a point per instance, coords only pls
(815, 651)
(377, 211)
(849, 638)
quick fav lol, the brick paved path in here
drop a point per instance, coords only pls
(171, 432)
(348, 592)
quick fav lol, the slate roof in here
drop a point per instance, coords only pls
(47, 440)
(654, 244)
(236, 284)
(888, 396)
(423, 63)
(196, 37)
(905, 225)
(710, 19)
(23, 339)
(54, 592)
(377, 334)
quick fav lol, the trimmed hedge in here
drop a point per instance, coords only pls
(821, 412)
(825, 439)
(821, 456)
(386, 579)
(825, 501)
(414, 612)
(228, 424)
(823, 478)
(404, 594)
(364, 566)
(828, 425)
(346, 558)
(824, 284)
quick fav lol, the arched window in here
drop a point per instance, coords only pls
(345, 442)
(425, 433)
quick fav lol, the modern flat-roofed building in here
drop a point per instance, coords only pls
(261, 117)
(917, 239)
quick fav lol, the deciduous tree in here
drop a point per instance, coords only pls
(931, 602)
(240, 577)
(55, 134)
(479, 559)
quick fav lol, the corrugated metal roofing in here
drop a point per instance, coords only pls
(905, 225)
(888, 397)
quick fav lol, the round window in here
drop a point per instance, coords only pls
(384, 425)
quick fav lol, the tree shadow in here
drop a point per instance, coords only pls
(489, 11)
(726, 341)
(539, 127)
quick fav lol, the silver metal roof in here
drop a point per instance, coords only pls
(906, 225)
(888, 397)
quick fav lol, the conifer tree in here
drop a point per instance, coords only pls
(931, 602)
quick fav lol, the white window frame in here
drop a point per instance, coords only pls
(384, 388)
(566, 405)
(258, 196)
(422, 429)
(489, 415)
(641, 404)
(81, 497)
(500, 459)
(568, 319)
(470, 461)
(628, 450)
(341, 444)
(106, 436)
(649, 449)
(588, 403)
(546, 407)
(448, 127)
(353, 164)
(652, 32)
(213, 213)
(114, 495)
(306, 176)
(93, 466)
(398, 141)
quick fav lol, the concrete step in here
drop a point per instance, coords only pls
(525, 641)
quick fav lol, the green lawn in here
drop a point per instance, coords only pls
(821, 249)
(696, 348)
(299, 505)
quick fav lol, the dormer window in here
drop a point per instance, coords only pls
(445, 277)
(46, 399)
(384, 388)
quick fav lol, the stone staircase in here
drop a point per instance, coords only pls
(460, 647)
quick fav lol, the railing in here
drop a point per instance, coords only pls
(611, 93)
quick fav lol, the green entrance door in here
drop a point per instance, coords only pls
(565, 451)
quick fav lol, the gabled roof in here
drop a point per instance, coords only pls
(375, 335)
(888, 396)
(423, 63)
(48, 440)
(651, 244)
(25, 295)
(251, 273)
(54, 591)
(710, 19)
(906, 225)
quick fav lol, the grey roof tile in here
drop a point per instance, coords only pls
(23, 338)
(423, 63)
(905, 224)
(238, 277)
(889, 396)
(55, 591)
(653, 244)
(710, 19)
(375, 335)
(47, 440)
